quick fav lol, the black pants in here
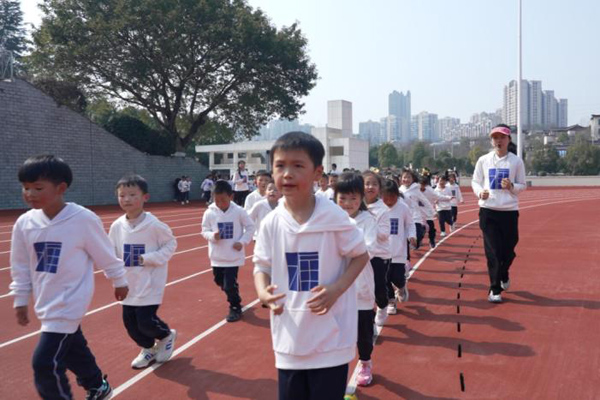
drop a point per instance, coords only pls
(313, 384)
(380, 270)
(500, 237)
(239, 197)
(206, 195)
(420, 229)
(185, 196)
(143, 325)
(454, 214)
(395, 275)
(366, 319)
(444, 217)
(432, 231)
(57, 352)
(226, 279)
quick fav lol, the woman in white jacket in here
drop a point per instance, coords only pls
(498, 179)
(349, 195)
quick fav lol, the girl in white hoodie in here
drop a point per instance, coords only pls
(350, 194)
(416, 201)
(380, 253)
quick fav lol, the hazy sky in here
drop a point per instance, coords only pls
(455, 56)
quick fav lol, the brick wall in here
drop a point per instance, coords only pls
(33, 123)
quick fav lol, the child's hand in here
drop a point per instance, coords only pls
(413, 242)
(217, 236)
(22, 315)
(484, 194)
(324, 298)
(238, 246)
(267, 297)
(121, 293)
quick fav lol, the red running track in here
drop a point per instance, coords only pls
(539, 344)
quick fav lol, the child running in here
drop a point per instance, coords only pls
(417, 203)
(228, 228)
(402, 231)
(264, 207)
(380, 253)
(433, 196)
(262, 180)
(456, 196)
(323, 186)
(146, 245)
(307, 257)
(207, 186)
(53, 251)
(350, 194)
(443, 205)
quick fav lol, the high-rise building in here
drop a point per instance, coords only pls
(399, 104)
(563, 113)
(510, 103)
(446, 126)
(427, 127)
(339, 115)
(535, 105)
(278, 127)
(394, 129)
(539, 108)
(549, 109)
(370, 131)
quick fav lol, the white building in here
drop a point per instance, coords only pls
(342, 147)
(595, 126)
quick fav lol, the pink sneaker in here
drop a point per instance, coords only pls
(365, 376)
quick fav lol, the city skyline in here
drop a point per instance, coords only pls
(455, 57)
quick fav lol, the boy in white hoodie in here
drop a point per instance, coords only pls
(228, 228)
(262, 180)
(146, 245)
(54, 249)
(307, 256)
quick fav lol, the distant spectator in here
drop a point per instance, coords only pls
(334, 170)
(207, 187)
(240, 184)
(176, 191)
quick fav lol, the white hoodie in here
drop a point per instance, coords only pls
(55, 259)
(488, 174)
(252, 199)
(298, 258)
(444, 203)
(365, 283)
(258, 212)
(382, 216)
(456, 193)
(419, 206)
(402, 228)
(234, 225)
(154, 240)
(434, 197)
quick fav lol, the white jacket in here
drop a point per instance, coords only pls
(298, 258)
(365, 283)
(455, 189)
(488, 174)
(55, 259)
(419, 206)
(402, 228)
(234, 225)
(154, 240)
(252, 199)
(258, 212)
(444, 202)
(382, 216)
(240, 181)
(434, 196)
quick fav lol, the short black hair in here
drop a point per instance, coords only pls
(375, 175)
(223, 187)
(300, 141)
(46, 167)
(133, 180)
(425, 180)
(263, 172)
(413, 174)
(351, 182)
(390, 187)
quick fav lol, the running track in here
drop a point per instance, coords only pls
(447, 342)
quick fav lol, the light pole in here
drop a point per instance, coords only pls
(520, 78)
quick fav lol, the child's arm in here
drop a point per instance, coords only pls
(20, 286)
(326, 295)
(383, 226)
(262, 272)
(207, 232)
(459, 197)
(410, 229)
(100, 249)
(427, 204)
(248, 226)
(165, 251)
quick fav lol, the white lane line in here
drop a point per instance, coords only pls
(135, 379)
(351, 387)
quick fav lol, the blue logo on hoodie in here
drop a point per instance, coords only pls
(48, 255)
(393, 226)
(132, 253)
(303, 270)
(496, 176)
(225, 230)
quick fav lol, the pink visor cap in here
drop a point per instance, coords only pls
(500, 129)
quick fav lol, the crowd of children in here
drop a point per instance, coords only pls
(332, 252)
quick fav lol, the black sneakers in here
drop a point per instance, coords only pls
(235, 314)
(104, 392)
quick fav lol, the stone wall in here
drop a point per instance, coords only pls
(33, 123)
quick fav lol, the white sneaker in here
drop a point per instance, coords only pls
(144, 359)
(402, 294)
(443, 234)
(494, 298)
(381, 316)
(165, 347)
(391, 308)
(505, 285)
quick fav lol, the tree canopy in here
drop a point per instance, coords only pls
(186, 62)
(13, 35)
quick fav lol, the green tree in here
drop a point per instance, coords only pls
(545, 159)
(387, 155)
(134, 132)
(185, 62)
(13, 35)
(417, 154)
(373, 156)
(563, 138)
(474, 154)
(583, 159)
